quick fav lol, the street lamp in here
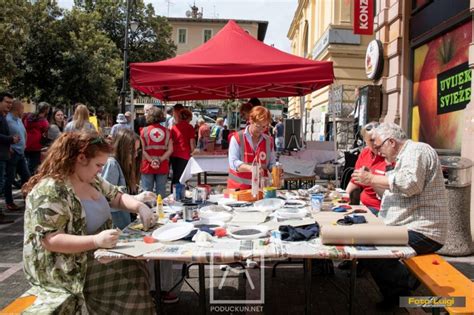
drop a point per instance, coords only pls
(133, 26)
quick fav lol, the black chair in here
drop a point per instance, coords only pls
(350, 159)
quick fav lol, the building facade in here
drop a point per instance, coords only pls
(191, 32)
(426, 80)
(194, 30)
(322, 30)
(425, 76)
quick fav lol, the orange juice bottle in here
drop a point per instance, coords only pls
(276, 175)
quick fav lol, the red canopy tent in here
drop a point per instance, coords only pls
(231, 65)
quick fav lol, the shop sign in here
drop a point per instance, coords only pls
(364, 17)
(441, 88)
(454, 89)
(374, 59)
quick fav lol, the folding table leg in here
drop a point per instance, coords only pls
(352, 288)
(202, 289)
(158, 300)
(307, 285)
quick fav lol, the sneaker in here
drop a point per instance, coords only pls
(12, 207)
(169, 297)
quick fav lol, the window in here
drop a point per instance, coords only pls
(207, 35)
(182, 32)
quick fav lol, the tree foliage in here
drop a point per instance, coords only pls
(14, 32)
(65, 56)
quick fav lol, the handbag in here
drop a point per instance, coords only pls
(44, 140)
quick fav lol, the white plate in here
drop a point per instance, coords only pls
(174, 207)
(209, 222)
(231, 203)
(295, 204)
(291, 213)
(270, 204)
(172, 231)
(215, 215)
(216, 198)
(259, 230)
(216, 208)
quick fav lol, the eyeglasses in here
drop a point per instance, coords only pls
(377, 147)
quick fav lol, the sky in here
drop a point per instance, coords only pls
(278, 13)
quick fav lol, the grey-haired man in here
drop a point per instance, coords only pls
(414, 196)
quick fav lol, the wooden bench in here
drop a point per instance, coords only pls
(442, 279)
(19, 305)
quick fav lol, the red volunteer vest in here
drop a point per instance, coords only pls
(155, 139)
(243, 180)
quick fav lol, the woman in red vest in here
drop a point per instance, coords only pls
(158, 146)
(248, 146)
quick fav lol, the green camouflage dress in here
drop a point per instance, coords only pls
(76, 283)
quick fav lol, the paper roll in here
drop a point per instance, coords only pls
(363, 234)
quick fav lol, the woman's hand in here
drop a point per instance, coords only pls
(155, 163)
(107, 238)
(146, 196)
(146, 216)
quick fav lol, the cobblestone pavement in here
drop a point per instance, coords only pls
(283, 294)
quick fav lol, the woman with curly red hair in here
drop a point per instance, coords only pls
(67, 217)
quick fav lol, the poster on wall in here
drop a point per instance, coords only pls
(441, 88)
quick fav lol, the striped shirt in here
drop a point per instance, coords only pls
(417, 196)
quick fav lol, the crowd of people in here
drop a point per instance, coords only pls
(87, 185)
(167, 141)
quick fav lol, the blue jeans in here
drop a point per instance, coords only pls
(280, 144)
(34, 160)
(121, 219)
(3, 165)
(391, 275)
(17, 163)
(156, 180)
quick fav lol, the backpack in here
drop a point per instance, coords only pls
(215, 132)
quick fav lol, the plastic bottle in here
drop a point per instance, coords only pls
(276, 175)
(159, 207)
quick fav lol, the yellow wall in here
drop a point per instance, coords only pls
(195, 32)
(348, 59)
